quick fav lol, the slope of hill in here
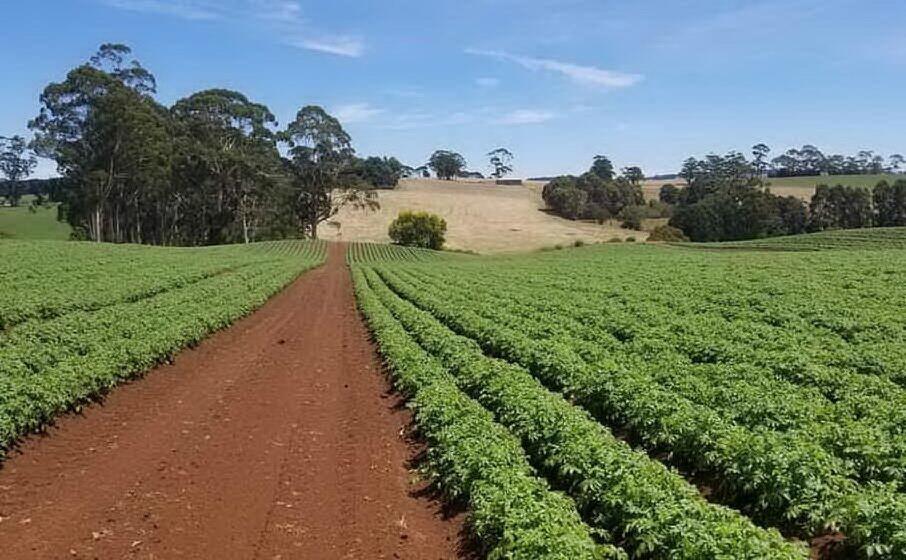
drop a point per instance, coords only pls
(24, 222)
(480, 217)
(866, 239)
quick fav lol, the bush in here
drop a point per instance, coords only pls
(578, 243)
(418, 229)
(632, 217)
(667, 233)
(615, 240)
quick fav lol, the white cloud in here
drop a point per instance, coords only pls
(340, 46)
(356, 112)
(585, 75)
(185, 9)
(526, 116)
(282, 19)
(487, 82)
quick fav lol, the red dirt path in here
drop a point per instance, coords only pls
(274, 439)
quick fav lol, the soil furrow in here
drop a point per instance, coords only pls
(275, 438)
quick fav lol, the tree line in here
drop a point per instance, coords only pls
(809, 160)
(215, 167)
(725, 198)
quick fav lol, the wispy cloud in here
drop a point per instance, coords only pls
(283, 19)
(526, 116)
(356, 112)
(487, 82)
(184, 9)
(341, 46)
(585, 75)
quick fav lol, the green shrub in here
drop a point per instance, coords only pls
(615, 240)
(418, 229)
(632, 217)
(630, 240)
(667, 233)
(578, 243)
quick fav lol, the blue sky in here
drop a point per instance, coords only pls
(647, 82)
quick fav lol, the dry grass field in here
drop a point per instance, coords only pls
(481, 217)
(800, 187)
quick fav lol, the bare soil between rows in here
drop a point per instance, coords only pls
(276, 438)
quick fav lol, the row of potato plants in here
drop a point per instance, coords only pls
(650, 511)
(724, 324)
(779, 477)
(54, 365)
(471, 458)
(44, 279)
(867, 238)
(362, 252)
(870, 440)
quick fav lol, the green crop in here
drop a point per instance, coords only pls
(80, 318)
(778, 376)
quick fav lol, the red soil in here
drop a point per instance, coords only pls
(275, 438)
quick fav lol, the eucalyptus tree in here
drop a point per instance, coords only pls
(110, 141)
(447, 164)
(501, 161)
(16, 164)
(226, 166)
(322, 168)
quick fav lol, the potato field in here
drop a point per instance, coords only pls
(78, 318)
(659, 401)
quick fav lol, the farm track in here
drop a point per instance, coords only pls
(275, 438)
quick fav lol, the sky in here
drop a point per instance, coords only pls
(646, 82)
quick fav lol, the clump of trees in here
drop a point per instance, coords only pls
(447, 164)
(382, 172)
(597, 194)
(16, 165)
(418, 229)
(205, 171)
(725, 198)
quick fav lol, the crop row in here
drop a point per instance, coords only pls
(52, 365)
(777, 474)
(650, 510)
(472, 458)
(46, 279)
(360, 252)
(869, 439)
(862, 239)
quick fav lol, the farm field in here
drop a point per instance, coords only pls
(481, 217)
(692, 404)
(870, 239)
(22, 222)
(78, 318)
(277, 435)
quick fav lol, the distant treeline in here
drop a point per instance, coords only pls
(724, 198)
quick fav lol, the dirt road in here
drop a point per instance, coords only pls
(276, 438)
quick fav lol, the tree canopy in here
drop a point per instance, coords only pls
(16, 164)
(205, 171)
(446, 164)
(501, 161)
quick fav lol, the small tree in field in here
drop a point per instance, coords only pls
(501, 158)
(16, 163)
(418, 229)
(446, 164)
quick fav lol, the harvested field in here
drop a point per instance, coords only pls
(481, 217)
